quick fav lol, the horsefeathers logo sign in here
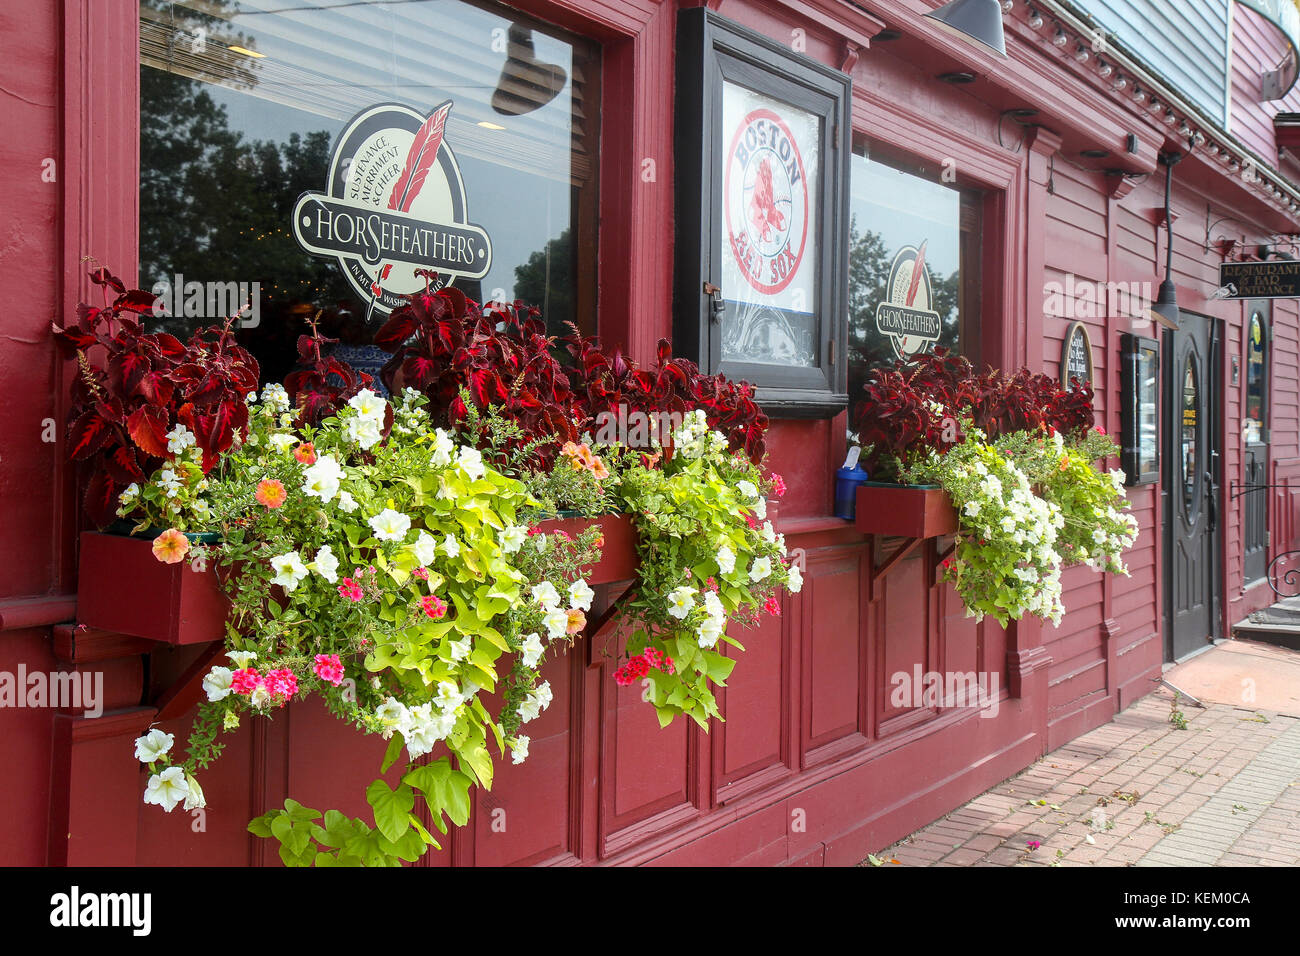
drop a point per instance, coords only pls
(907, 315)
(395, 202)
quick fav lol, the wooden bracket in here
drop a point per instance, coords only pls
(603, 621)
(905, 548)
(187, 690)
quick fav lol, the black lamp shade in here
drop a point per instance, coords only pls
(976, 20)
(1165, 309)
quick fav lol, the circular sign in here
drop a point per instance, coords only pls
(395, 203)
(766, 192)
(907, 314)
(1076, 356)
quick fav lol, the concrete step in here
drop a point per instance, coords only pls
(1279, 635)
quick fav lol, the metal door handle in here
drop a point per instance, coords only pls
(1213, 502)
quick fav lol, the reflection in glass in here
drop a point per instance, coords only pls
(899, 220)
(1190, 423)
(241, 101)
(1255, 383)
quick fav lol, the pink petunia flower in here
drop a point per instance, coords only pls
(778, 484)
(772, 606)
(245, 681)
(281, 684)
(351, 590)
(329, 668)
(433, 606)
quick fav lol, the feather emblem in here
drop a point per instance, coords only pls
(419, 159)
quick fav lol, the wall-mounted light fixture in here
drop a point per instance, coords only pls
(979, 21)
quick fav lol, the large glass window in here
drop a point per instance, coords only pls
(913, 264)
(247, 105)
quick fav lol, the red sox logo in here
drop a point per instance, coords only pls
(766, 202)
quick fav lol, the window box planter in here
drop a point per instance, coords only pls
(907, 511)
(123, 588)
(126, 590)
(619, 562)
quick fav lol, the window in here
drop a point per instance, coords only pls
(1256, 378)
(248, 105)
(913, 265)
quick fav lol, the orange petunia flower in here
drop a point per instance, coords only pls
(577, 621)
(171, 546)
(305, 453)
(270, 492)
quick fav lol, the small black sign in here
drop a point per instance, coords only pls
(1273, 279)
(1076, 356)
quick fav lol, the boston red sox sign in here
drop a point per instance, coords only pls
(769, 273)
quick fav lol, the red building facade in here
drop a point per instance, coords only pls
(814, 764)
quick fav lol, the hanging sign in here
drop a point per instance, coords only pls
(1076, 356)
(907, 315)
(395, 202)
(1271, 279)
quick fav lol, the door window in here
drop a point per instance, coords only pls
(1190, 424)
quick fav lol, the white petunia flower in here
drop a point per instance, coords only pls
(709, 631)
(289, 570)
(531, 649)
(390, 525)
(712, 606)
(747, 489)
(321, 480)
(153, 745)
(546, 595)
(448, 696)
(460, 649)
(471, 462)
(425, 547)
(442, 449)
(794, 579)
(368, 405)
(282, 441)
(556, 622)
(761, 568)
(519, 750)
(366, 432)
(580, 595)
(241, 659)
(513, 538)
(347, 503)
(167, 789)
(681, 600)
(726, 560)
(326, 564)
(217, 683)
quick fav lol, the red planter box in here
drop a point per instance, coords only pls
(620, 558)
(124, 588)
(907, 511)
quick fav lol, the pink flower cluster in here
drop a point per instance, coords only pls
(281, 684)
(351, 589)
(329, 668)
(433, 606)
(772, 606)
(778, 484)
(639, 665)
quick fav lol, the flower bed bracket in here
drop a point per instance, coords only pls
(905, 547)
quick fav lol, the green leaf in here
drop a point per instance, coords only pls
(390, 807)
(261, 826)
(392, 753)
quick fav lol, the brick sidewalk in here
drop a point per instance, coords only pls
(1137, 792)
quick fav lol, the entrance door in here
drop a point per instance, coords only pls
(1191, 486)
(1255, 436)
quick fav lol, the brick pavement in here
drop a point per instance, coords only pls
(1137, 792)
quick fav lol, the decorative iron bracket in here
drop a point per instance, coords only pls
(1238, 488)
(1284, 582)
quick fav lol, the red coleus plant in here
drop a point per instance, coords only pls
(446, 345)
(603, 382)
(917, 405)
(135, 386)
(323, 384)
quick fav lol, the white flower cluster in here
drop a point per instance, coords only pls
(423, 726)
(366, 427)
(290, 569)
(693, 438)
(555, 618)
(179, 439)
(171, 785)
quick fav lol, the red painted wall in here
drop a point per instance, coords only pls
(814, 764)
